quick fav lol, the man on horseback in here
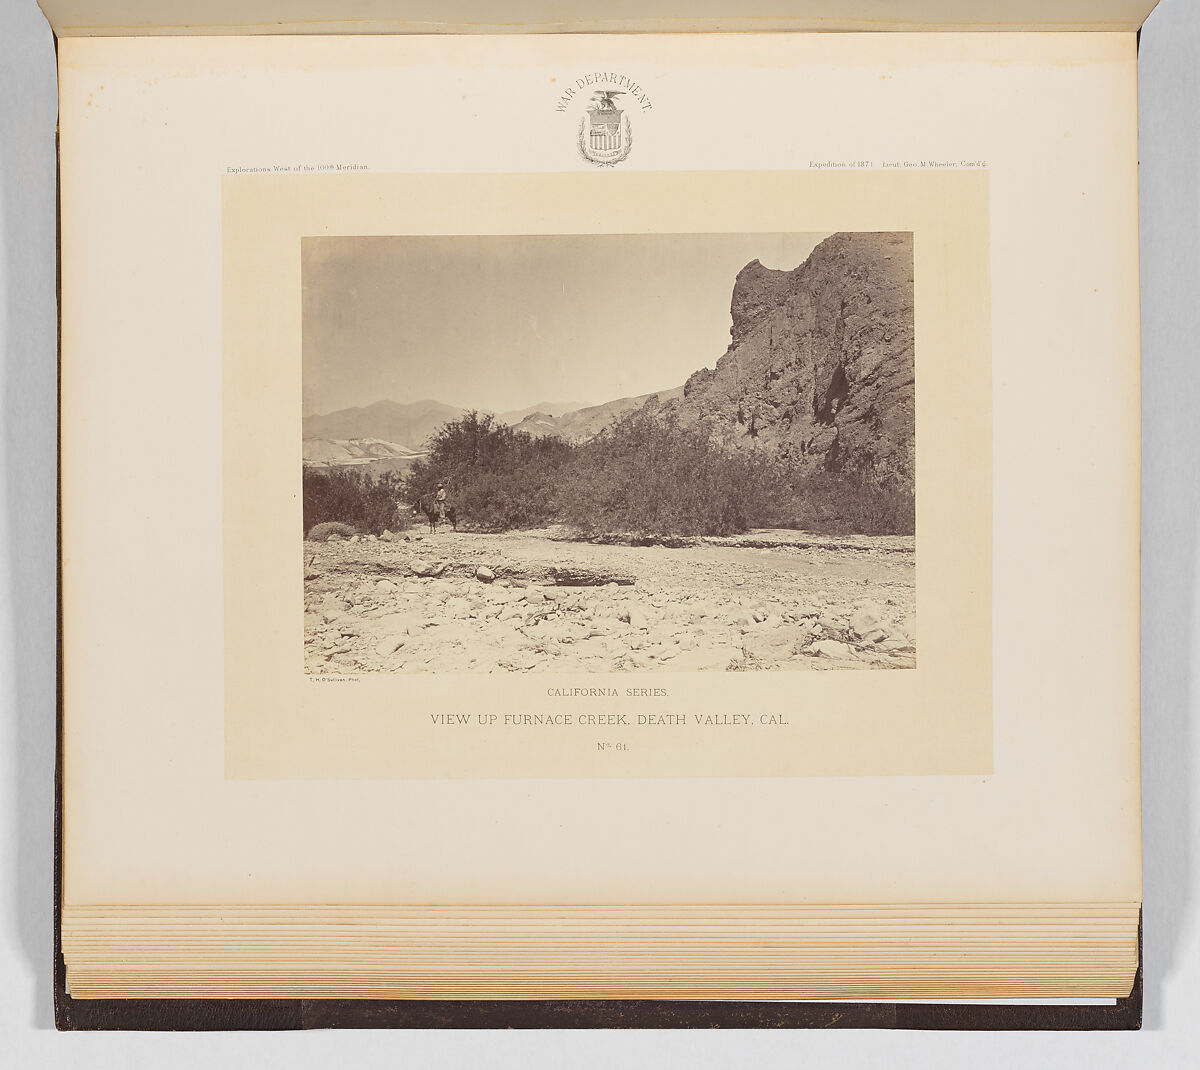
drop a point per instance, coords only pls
(437, 509)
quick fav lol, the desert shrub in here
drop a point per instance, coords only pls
(495, 477)
(648, 474)
(355, 497)
(321, 532)
(853, 503)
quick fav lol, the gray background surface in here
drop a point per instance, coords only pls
(1170, 232)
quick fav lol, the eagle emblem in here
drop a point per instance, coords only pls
(605, 136)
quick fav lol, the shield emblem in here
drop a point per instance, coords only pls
(605, 137)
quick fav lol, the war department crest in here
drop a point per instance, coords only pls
(605, 135)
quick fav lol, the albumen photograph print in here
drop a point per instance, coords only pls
(608, 453)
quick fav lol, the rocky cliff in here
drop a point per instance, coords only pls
(820, 362)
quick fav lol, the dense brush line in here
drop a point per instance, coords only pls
(647, 474)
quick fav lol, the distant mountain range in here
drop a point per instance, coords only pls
(582, 424)
(549, 408)
(387, 421)
(389, 430)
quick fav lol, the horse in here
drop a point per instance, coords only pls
(428, 505)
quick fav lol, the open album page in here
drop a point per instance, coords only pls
(600, 470)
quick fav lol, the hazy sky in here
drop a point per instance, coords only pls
(503, 322)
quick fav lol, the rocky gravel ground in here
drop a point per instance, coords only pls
(535, 602)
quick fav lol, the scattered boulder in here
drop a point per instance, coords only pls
(831, 648)
(332, 604)
(421, 567)
(866, 619)
(664, 634)
(566, 631)
(770, 645)
(386, 587)
(389, 645)
(387, 536)
(484, 573)
(899, 646)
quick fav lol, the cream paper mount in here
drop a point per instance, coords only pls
(935, 718)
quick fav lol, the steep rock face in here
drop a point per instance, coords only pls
(820, 363)
(757, 292)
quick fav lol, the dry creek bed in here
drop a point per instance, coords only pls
(534, 602)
